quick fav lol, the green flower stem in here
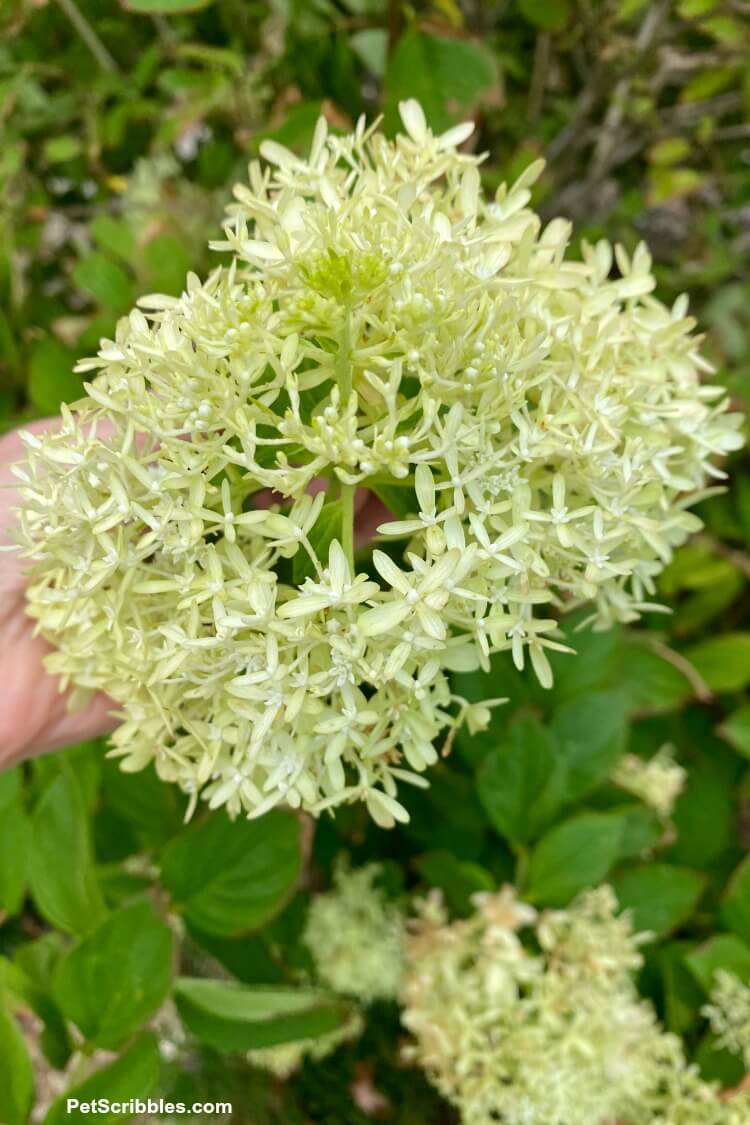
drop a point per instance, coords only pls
(344, 358)
(344, 379)
(347, 523)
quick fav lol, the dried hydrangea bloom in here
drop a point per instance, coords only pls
(356, 936)
(537, 427)
(553, 1030)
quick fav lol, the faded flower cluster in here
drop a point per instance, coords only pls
(357, 937)
(553, 1030)
(536, 426)
(657, 781)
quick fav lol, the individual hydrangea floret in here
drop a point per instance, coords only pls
(356, 936)
(530, 1032)
(537, 425)
(658, 781)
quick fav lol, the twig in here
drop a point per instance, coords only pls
(89, 36)
(701, 690)
(738, 559)
(538, 76)
(609, 134)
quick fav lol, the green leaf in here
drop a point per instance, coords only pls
(113, 235)
(296, 129)
(660, 897)
(154, 808)
(641, 830)
(230, 1016)
(448, 815)
(595, 665)
(11, 783)
(723, 662)
(61, 864)
(249, 958)
(371, 44)
(519, 782)
(722, 952)
(83, 760)
(15, 842)
(572, 856)
(736, 730)
(36, 962)
(669, 150)
(165, 7)
(438, 72)
(591, 734)
(399, 499)
(166, 262)
(16, 1074)
(326, 528)
(105, 281)
(547, 15)
(718, 1064)
(458, 879)
(113, 980)
(51, 377)
(707, 83)
(682, 996)
(648, 681)
(673, 183)
(693, 9)
(134, 1075)
(702, 816)
(232, 876)
(735, 908)
(57, 150)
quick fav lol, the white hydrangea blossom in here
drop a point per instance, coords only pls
(356, 937)
(729, 1014)
(657, 781)
(381, 325)
(560, 1035)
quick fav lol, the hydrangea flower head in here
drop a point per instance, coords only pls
(356, 936)
(530, 1033)
(536, 426)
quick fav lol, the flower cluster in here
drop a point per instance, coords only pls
(527, 1037)
(356, 937)
(536, 426)
(729, 1014)
(658, 781)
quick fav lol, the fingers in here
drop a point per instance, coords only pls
(33, 712)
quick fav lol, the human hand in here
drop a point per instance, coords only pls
(33, 711)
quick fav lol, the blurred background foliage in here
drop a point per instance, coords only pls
(122, 129)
